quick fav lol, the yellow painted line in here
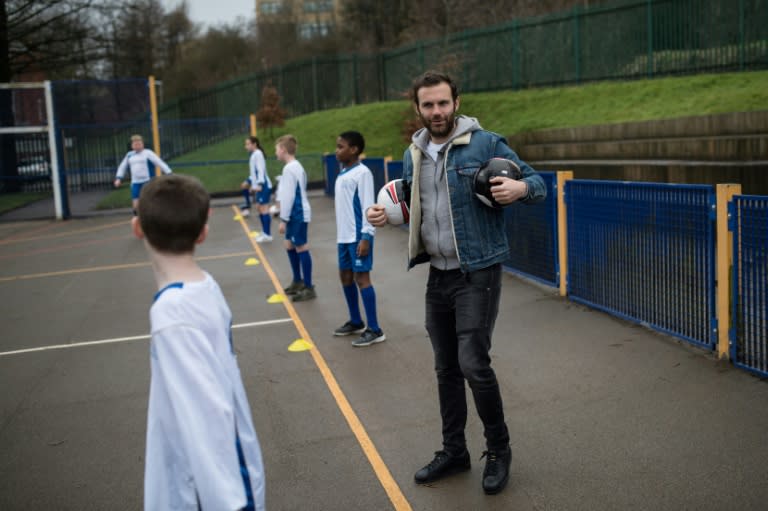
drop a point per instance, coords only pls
(68, 233)
(124, 339)
(382, 472)
(108, 268)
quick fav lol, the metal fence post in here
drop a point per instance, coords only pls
(741, 35)
(562, 230)
(155, 122)
(724, 258)
(649, 20)
(576, 45)
(314, 84)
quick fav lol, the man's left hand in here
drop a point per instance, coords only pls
(506, 190)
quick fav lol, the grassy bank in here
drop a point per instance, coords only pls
(505, 112)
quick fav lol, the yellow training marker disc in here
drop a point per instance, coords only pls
(237, 218)
(255, 234)
(299, 345)
(252, 261)
(276, 298)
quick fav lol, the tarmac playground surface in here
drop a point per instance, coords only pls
(603, 414)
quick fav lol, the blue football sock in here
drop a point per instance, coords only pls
(306, 267)
(247, 196)
(353, 304)
(293, 257)
(369, 302)
(266, 223)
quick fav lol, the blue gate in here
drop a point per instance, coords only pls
(749, 223)
(645, 252)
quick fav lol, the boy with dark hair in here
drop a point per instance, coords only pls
(353, 194)
(295, 215)
(202, 450)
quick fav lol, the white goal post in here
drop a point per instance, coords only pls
(58, 189)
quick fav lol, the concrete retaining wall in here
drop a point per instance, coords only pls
(724, 148)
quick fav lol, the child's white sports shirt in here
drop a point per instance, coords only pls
(353, 194)
(258, 169)
(292, 194)
(198, 415)
(138, 162)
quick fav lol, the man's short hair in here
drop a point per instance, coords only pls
(430, 79)
(289, 143)
(354, 139)
(173, 209)
(136, 138)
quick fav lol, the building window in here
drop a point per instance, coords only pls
(318, 5)
(270, 7)
(315, 29)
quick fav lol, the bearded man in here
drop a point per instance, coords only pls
(465, 243)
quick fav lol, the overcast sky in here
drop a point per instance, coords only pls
(212, 12)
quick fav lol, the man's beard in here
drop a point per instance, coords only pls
(443, 131)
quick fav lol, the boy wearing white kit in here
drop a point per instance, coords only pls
(140, 161)
(202, 450)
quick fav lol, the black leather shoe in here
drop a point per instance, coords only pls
(496, 473)
(443, 465)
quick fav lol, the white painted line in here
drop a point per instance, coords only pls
(126, 339)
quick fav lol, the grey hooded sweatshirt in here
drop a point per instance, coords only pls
(436, 222)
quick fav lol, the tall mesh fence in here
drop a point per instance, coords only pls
(749, 333)
(629, 39)
(95, 120)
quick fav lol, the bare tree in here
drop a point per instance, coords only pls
(45, 37)
(49, 35)
(224, 52)
(374, 25)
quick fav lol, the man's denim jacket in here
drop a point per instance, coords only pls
(478, 230)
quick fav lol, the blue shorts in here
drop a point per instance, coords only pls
(296, 233)
(348, 259)
(136, 189)
(264, 195)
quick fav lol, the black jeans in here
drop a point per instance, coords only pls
(461, 312)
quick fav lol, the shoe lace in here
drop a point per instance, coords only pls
(492, 462)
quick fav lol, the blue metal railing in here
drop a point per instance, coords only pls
(645, 252)
(331, 168)
(532, 235)
(749, 301)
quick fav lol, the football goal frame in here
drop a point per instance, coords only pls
(60, 199)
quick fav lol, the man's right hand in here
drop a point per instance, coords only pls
(117, 183)
(376, 215)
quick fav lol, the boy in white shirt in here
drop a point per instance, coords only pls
(202, 450)
(141, 162)
(295, 215)
(353, 194)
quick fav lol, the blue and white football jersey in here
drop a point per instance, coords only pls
(258, 169)
(140, 163)
(353, 194)
(202, 449)
(292, 194)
